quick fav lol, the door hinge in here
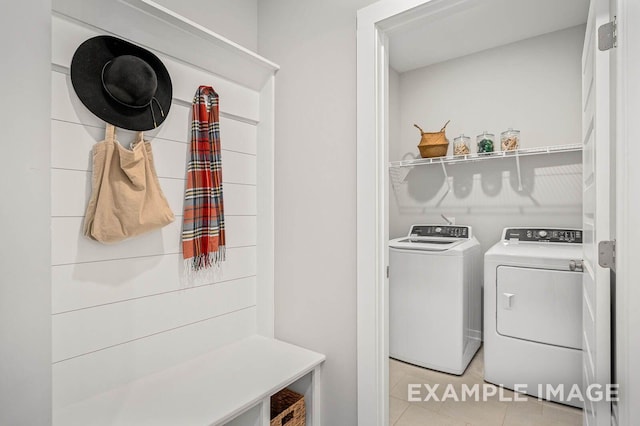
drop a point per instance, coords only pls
(607, 254)
(608, 35)
(387, 271)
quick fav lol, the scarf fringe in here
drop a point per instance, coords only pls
(204, 267)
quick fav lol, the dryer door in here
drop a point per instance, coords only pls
(540, 305)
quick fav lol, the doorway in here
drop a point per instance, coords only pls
(373, 161)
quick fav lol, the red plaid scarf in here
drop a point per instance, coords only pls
(203, 236)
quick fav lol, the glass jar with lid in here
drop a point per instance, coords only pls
(461, 145)
(485, 142)
(510, 139)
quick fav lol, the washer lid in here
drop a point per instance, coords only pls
(425, 243)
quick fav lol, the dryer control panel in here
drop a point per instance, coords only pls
(543, 235)
(442, 231)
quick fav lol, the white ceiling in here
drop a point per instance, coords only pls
(475, 25)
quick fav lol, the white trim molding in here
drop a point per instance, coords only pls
(372, 200)
(627, 211)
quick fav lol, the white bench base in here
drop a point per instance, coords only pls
(213, 389)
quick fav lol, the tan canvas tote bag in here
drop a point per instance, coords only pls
(126, 199)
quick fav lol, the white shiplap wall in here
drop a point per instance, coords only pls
(122, 311)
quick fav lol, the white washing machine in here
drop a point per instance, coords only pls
(435, 278)
(533, 311)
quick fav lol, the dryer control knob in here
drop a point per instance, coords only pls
(438, 230)
(542, 233)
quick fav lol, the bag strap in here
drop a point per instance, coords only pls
(110, 132)
(139, 139)
(110, 135)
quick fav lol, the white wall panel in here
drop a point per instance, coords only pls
(81, 286)
(72, 144)
(68, 245)
(87, 330)
(124, 310)
(239, 199)
(174, 128)
(87, 375)
(173, 190)
(241, 231)
(238, 168)
(238, 136)
(65, 104)
(71, 190)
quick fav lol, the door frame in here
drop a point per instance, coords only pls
(374, 23)
(627, 128)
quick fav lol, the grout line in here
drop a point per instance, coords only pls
(153, 295)
(154, 334)
(403, 411)
(136, 257)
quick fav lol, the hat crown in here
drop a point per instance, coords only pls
(130, 80)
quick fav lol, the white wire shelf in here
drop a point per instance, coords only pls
(454, 159)
(399, 170)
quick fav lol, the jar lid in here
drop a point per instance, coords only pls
(485, 134)
(510, 130)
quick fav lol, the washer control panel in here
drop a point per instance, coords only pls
(442, 231)
(543, 235)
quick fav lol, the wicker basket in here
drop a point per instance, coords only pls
(287, 409)
(433, 144)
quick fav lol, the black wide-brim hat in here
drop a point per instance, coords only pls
(121, 83)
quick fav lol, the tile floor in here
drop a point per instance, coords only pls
(493, 412)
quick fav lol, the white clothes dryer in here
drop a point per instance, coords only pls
(435, 278)
(533, 312)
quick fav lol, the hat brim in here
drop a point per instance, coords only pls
(86, 77)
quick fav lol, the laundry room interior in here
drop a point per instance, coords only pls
(489, 88)
(475, 72)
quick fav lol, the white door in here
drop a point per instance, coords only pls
(596, 99)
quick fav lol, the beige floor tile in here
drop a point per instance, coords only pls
(396, 372)
(478, 413)
(418, 416)
(561, 414)
(527, 413)
(396, 408)
(475, 413)
(493, 412)
(401, 392)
